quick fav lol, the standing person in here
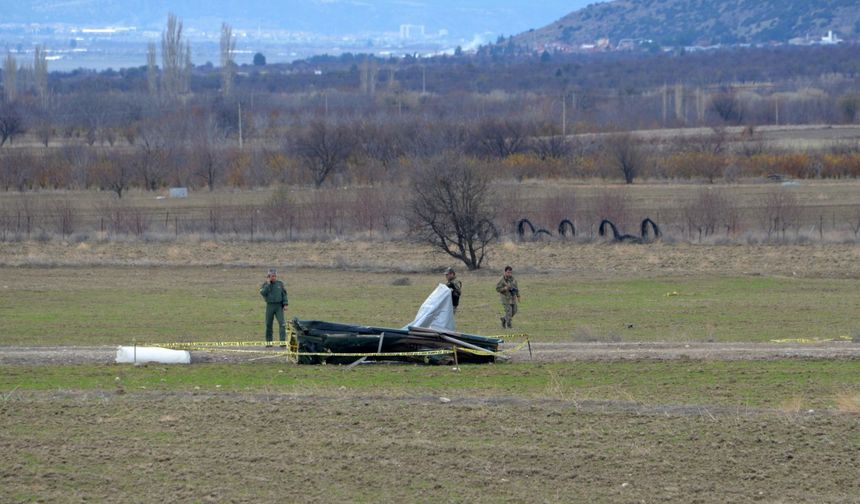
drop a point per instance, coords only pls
(509, 294)
(275, 294)
(456, 287)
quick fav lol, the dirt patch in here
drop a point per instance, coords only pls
(265, 447)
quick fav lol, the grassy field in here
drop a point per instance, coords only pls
(118, 305)
(785, 385)
(782, 430)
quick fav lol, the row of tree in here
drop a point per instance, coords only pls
(194, 151)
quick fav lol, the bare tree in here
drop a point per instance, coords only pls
(187, 69)
(727, 106)
(208, 160)
(10, 78)
(173, 58)
(228, 65)
(151, 70)
(324, 149)
(780, 211)
(113, 174)
(453, 208)
(625, 153)
(501, 137)
(11, 123)
(40, 73)
(709, 211)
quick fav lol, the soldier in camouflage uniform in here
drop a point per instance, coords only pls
(455, 285)
(275, 294)
(509, 294)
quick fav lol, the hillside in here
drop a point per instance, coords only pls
(700, 22)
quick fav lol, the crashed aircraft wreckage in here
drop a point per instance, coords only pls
(430, 339)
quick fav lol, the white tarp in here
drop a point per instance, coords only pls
(140, 355)
(437, 311)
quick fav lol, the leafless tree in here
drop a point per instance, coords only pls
(709, 211)
(40, 73)
(11, 122)
(10, 78)
(727, 106)
(551, 147)
(453, 208)
(113, 174)
(228, 65)
(849, 105)
(187, 70)
(173, 58)
(780, 212)
(208, 160)
(324, 149)
(624, 153)
(65, 216)
(151, 70)
(501, 137)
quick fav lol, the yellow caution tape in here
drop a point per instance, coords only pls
(219, 346)
(811, 340)
(510, 336)
(222, 346)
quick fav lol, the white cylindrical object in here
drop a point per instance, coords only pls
(140, 355)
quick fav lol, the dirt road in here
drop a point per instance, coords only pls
(541, 352)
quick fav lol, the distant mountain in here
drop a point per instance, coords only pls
(461, 18)
(701, 22)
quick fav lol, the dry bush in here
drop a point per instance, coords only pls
(512, 206)
(119, 217)
(690, 165)
(613, 205)
(326, 211)
(374, 210)
(279, 213)
(64, 214)
(523, 166)
(780, 211)
(790, 165)
(556, 208)
(840, 165)
(709, 211)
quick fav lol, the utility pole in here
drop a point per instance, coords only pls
(423, 80)
(563, 116)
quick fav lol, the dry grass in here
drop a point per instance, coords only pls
(848, 402)
(588, 260)
(794, 404)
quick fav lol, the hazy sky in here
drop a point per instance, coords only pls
(459, 17)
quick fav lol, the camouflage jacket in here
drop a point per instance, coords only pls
(274, 293)
(506, 289)
(456, 287)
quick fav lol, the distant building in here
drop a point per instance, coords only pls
(829, 39)
(409, 31)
